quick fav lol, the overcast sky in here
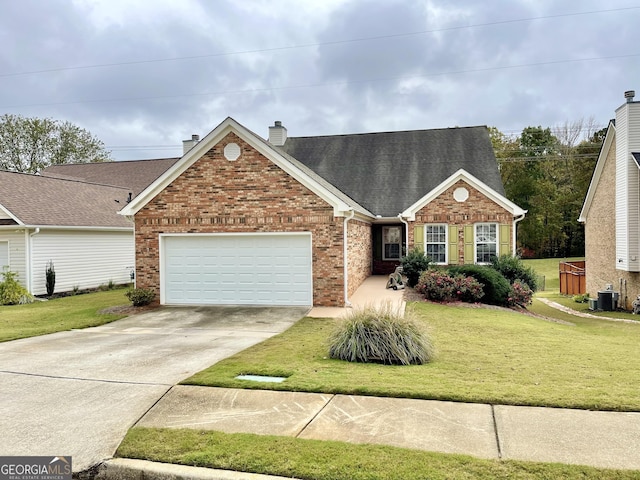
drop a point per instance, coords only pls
(149, 73)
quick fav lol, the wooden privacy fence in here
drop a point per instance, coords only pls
(572, 278)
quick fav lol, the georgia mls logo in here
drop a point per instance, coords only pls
(35, 468)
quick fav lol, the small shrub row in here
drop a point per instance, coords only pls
(496, 288)
(439, 285)
(520, 294)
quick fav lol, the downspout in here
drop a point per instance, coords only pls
(515, 221)
(30, 259)
(406, 235)
(345, 262)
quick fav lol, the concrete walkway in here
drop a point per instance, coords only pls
(372, 292)
(599, 439)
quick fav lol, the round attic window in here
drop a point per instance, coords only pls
(231, 151)
(461, 194)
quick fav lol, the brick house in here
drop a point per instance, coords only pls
(611, 210)
(304, 220)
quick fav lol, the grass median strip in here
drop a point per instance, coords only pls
(482, 356)
(323, 460)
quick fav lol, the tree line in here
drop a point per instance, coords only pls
(547, 171)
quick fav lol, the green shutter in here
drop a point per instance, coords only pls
(453, 244)
(505, 239)
(469, 244)
(418, 237)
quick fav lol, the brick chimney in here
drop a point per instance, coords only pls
(189, 144)
(277, 134)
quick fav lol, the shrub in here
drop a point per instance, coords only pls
(520, 294)
(512, 268)
(380, 335)
(438, 285)
(50, 278)
(11, 292)
(496, 288)
(413, 264)
(584, 298)
(140, 296)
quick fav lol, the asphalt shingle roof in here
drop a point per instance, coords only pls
(388, 172)
(42, 201)
(135, 175)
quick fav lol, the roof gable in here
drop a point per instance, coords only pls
(387, 172)
(340, 202)
(609, 140)
(33, 200)
(461, 174)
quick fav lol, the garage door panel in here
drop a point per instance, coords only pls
(261, 269)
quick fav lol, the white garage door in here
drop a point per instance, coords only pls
(253, 269)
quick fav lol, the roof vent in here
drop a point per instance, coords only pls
(629, 94)
(189, 144)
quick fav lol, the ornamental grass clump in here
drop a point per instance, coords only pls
(381, 335)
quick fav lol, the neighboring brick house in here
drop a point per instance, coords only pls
(611, 210)
(302, 221)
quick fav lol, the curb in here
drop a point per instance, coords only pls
(128, 469)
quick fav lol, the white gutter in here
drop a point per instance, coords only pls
(29, 266)
(406, 236)
(352, 213)
(515, 221)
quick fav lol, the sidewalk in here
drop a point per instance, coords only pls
(599, 439)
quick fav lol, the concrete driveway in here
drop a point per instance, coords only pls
(77, 393)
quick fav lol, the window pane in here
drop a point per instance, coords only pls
(391, 250)
(437, 253)
(391, 234)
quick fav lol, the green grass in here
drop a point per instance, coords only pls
(548, 268)
(482, 356)
(323, 460)
(40, 318)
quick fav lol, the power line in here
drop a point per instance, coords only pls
(312, 45)
(316, 85)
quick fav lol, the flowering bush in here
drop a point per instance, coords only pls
(520, 294)
(439, 286)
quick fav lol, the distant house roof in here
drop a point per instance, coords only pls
(34, 200)
(134, 175)
(387, 172)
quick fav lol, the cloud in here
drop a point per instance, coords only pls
(426, 64)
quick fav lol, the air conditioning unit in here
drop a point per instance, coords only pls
(593, 304)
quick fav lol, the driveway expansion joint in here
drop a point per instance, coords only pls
(100, 380)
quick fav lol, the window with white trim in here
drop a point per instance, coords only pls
(435, 242)
(486, 242)
(391, 240)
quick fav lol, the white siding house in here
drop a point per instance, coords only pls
(73, 224)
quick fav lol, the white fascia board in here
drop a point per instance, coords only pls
(11, 215)
(410, 213)
(609, 138)
(340, 208)
(74, 227)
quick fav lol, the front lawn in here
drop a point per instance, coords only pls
(67, 313)
(483, 355)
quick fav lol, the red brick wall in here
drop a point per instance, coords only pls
(250, 194)
(476, 209)
(359, 245)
